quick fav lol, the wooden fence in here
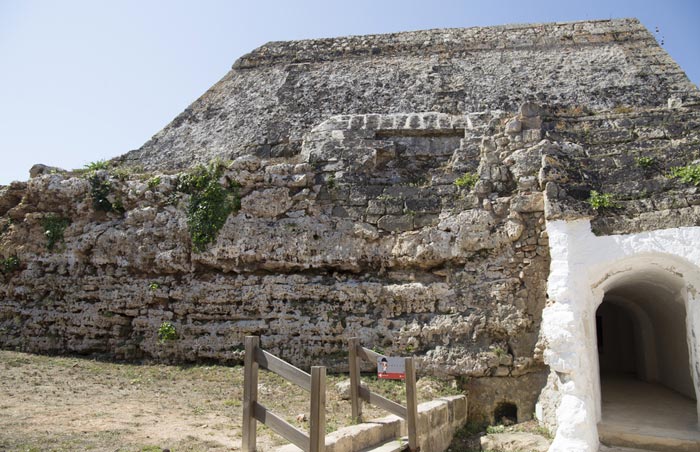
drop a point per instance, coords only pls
(358, 393)
(315, 383)
(253, 411)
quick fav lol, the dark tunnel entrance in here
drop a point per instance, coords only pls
(643, 354)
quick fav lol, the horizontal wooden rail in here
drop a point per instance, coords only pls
(253, 411)
(359, 394)
(382, 402)
(369, 355)
(283, 369)
(281, 427)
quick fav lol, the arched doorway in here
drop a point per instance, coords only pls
(643, 355)
(649, 279)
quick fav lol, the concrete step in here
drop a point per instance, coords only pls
(649, 439)
(394, 445)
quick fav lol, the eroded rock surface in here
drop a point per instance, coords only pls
(276, 94)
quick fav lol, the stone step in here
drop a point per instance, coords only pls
(394, 445)
(655, 439)
(620, 449)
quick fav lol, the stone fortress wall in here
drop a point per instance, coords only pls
(351, 221)
(276, 94)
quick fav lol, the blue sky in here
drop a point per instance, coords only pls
(89, 80)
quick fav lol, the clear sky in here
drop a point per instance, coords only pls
(87, 80)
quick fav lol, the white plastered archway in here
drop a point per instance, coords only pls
(583, 267)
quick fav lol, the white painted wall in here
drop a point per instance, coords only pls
(583, 268)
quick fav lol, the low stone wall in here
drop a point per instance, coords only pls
(438, 420)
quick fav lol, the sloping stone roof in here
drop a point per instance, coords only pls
(274, 95)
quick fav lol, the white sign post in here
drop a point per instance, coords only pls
(391, 368)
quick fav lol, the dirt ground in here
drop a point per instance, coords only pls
(72, 404)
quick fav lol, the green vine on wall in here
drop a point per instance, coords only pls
(210, 202)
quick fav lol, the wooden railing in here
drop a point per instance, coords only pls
(253, 411)
(358, 393)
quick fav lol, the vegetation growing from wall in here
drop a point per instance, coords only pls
(467, 180)
(97, 166)
(54, 227)
(100, 188)
(646, 162)
(99, 173)
(210, 202)
(9, 264)
(166, 332)
(689, 174)
(5, 225)
(153, 182)
(330, 182)
(602, 201)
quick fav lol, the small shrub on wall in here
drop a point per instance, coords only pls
(210, 202)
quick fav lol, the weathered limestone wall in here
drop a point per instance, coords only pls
(352, 222)
(365, 234)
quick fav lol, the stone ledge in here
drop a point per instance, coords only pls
(447, 41)
(437, 422)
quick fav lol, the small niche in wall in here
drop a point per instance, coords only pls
(506, 413)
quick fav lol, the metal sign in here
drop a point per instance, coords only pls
(391, 368)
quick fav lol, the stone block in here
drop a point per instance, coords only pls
(422, 221)
(513, 126)
(438, 440)
(529, 109)
(382, 155)
(532, 135)
(375, 207)
(343, 388)
(394, 206)
(457, 409)
(532, 123)
(423, 205)
(365, 435)
(433, 414)
(395, 223)
(526, 203)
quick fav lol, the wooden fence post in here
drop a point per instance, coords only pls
(411, 405)
(250, 393)
(317, 423)
(354, 344)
